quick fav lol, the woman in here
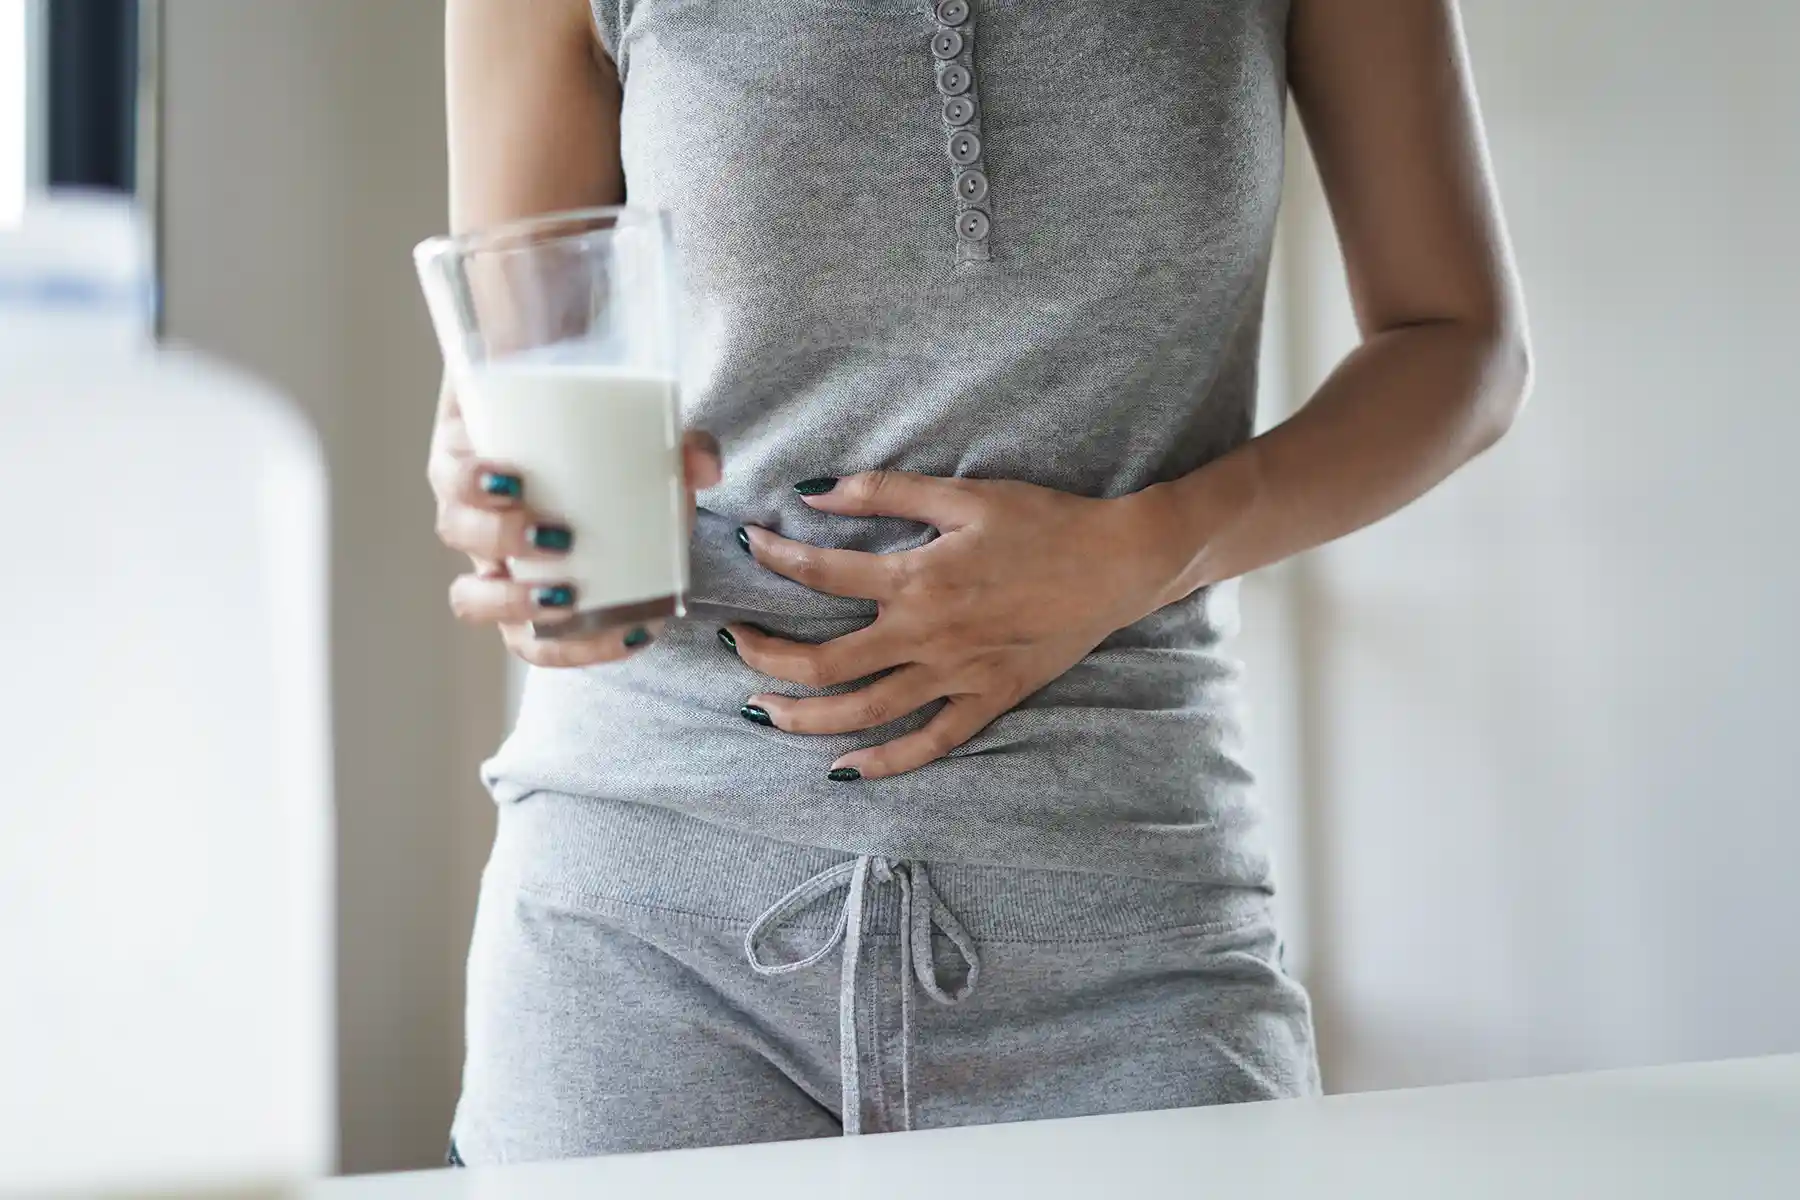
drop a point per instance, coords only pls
(931, 814)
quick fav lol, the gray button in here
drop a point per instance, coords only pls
(972, 225)
(971, 186)
(947, 43)
(965, 148)
(953, 12)
(954, 80)
(959, 110)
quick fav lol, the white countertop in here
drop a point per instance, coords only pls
(1702, 1132)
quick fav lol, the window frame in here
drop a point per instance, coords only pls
(89, 52)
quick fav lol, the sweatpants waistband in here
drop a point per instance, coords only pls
(584, 850)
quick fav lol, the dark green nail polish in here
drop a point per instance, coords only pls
(743, 537)
(756, 714)
(729, 642)
(496, 484)
(552, 537)
(816, 487)
(843, 775)
(554, 597)
(637, 637)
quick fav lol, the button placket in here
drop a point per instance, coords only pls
(952, 47)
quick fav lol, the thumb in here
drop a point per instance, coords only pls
(701, 461)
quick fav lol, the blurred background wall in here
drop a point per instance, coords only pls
(1529, 746)
(1546, 773)
(303, 157)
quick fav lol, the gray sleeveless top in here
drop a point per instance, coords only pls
(1005, 239)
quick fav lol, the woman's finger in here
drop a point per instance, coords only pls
(586, 651)
(887, 699)
(961, 718)
(462, 479)
(497, 534)
(944, 503)
(817, 665)
(489, 485)
(835, 572)
(492, 599)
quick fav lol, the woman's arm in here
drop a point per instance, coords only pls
(1385, 92)
(533, 109)
(534, 128)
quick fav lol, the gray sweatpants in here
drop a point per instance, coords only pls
(640, 980)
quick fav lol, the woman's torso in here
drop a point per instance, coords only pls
(1095, 330)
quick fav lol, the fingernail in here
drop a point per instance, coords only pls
(756, 714)
(554, 597)
(743, 537)
(729, 642)
(816, 487)
(496, 484)
(843, 775)
(551, 537)
(637, 637)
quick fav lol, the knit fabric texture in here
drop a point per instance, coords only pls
(1086, 316)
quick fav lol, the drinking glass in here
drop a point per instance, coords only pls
(560, 344)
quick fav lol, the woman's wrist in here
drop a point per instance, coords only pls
(1176, 531)
(1152, 543)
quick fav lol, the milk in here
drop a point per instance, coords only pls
(598, 448)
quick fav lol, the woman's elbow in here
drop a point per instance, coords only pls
(1508, 372)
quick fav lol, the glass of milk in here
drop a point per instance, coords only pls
(559, 337)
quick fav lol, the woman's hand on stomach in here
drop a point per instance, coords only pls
(1021, 583)
(483, 512)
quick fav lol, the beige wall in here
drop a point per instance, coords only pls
(303, 158)
(1547, 753)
